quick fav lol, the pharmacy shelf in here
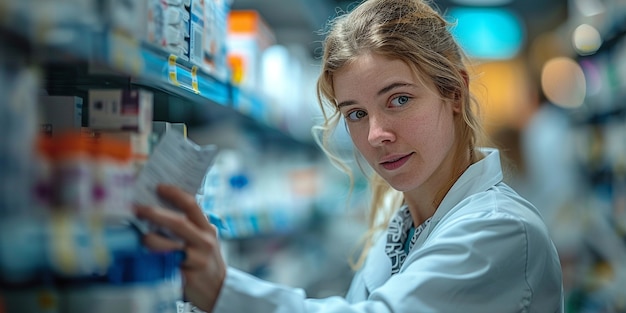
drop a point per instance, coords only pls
(64, 245)
(83, 39)
(152, 66)
(239, 225)
(115, 54)
(118, 54)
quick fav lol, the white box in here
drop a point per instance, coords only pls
(159, 128)
(196, 32)
(126, 16)
(60, 113)
(167, 26)
(121, 109)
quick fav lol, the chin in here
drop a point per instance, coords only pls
(402, 186)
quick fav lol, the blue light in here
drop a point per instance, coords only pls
(487, 33)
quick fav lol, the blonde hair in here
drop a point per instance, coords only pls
(411, 31)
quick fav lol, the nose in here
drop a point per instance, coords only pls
(380, 131)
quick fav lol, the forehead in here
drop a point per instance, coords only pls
(369, 73)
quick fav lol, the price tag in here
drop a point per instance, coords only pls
(101, 255)
(125, 53)
(171, 68)
(63, 251)
(194, 79)
(43, 25)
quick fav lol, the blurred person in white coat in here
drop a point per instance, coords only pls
(446, 234)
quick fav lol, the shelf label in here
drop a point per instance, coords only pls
(63, 252)
(42, 27)
(171, 68)
(194, 79)
(101, 255)
(125, 53)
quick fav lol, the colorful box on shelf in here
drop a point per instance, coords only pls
(168, 26)
(160, 69)
(75, 267)
(128, 17)
(241, 225)
(248, 37)
(62, 244)
(122, 53)
(60, 113)
(196, 32)
(120, 110)
(215, 32)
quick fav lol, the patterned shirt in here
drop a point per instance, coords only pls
(398, 232)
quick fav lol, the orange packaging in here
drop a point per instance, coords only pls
(248, 37)
(113, 177)
(72, 172)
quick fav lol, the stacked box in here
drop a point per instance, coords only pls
(120, 110)
(215, 38)
(168, 26)
(60, 113)
(196, 32)
(125, 16)
(125, 114)
(248, 36)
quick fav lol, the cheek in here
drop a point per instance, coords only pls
(358, 136)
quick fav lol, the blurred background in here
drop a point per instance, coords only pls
(92, 86)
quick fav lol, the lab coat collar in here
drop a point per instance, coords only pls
(478, 177)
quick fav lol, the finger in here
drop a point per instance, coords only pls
(184, 202)
(158, 243)
(175, 222)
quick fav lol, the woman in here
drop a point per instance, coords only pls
(458, 240)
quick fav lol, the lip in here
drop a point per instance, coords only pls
(393, 162)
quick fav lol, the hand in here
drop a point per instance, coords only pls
(203, 268)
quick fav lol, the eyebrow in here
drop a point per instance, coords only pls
(392, 86)
(380, 92)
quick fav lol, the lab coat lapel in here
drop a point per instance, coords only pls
(479, 177)
(377, 268)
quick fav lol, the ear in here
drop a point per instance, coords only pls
(465, 77)
(456, 106)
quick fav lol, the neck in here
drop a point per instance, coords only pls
(424, 202)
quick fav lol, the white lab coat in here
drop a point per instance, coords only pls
(486, 250)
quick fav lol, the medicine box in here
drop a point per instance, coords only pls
(60, 113)
(140, 144)
(214, 39)
(120, 109)
(168, 26)
(196, 32)
(127, 17)
(248, 37)
(159, 128)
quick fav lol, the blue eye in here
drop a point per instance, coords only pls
(400, 100)
(356, 115)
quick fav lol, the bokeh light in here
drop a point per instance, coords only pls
(563, 82)
(587, 39)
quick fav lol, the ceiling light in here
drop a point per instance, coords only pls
(488, 33)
